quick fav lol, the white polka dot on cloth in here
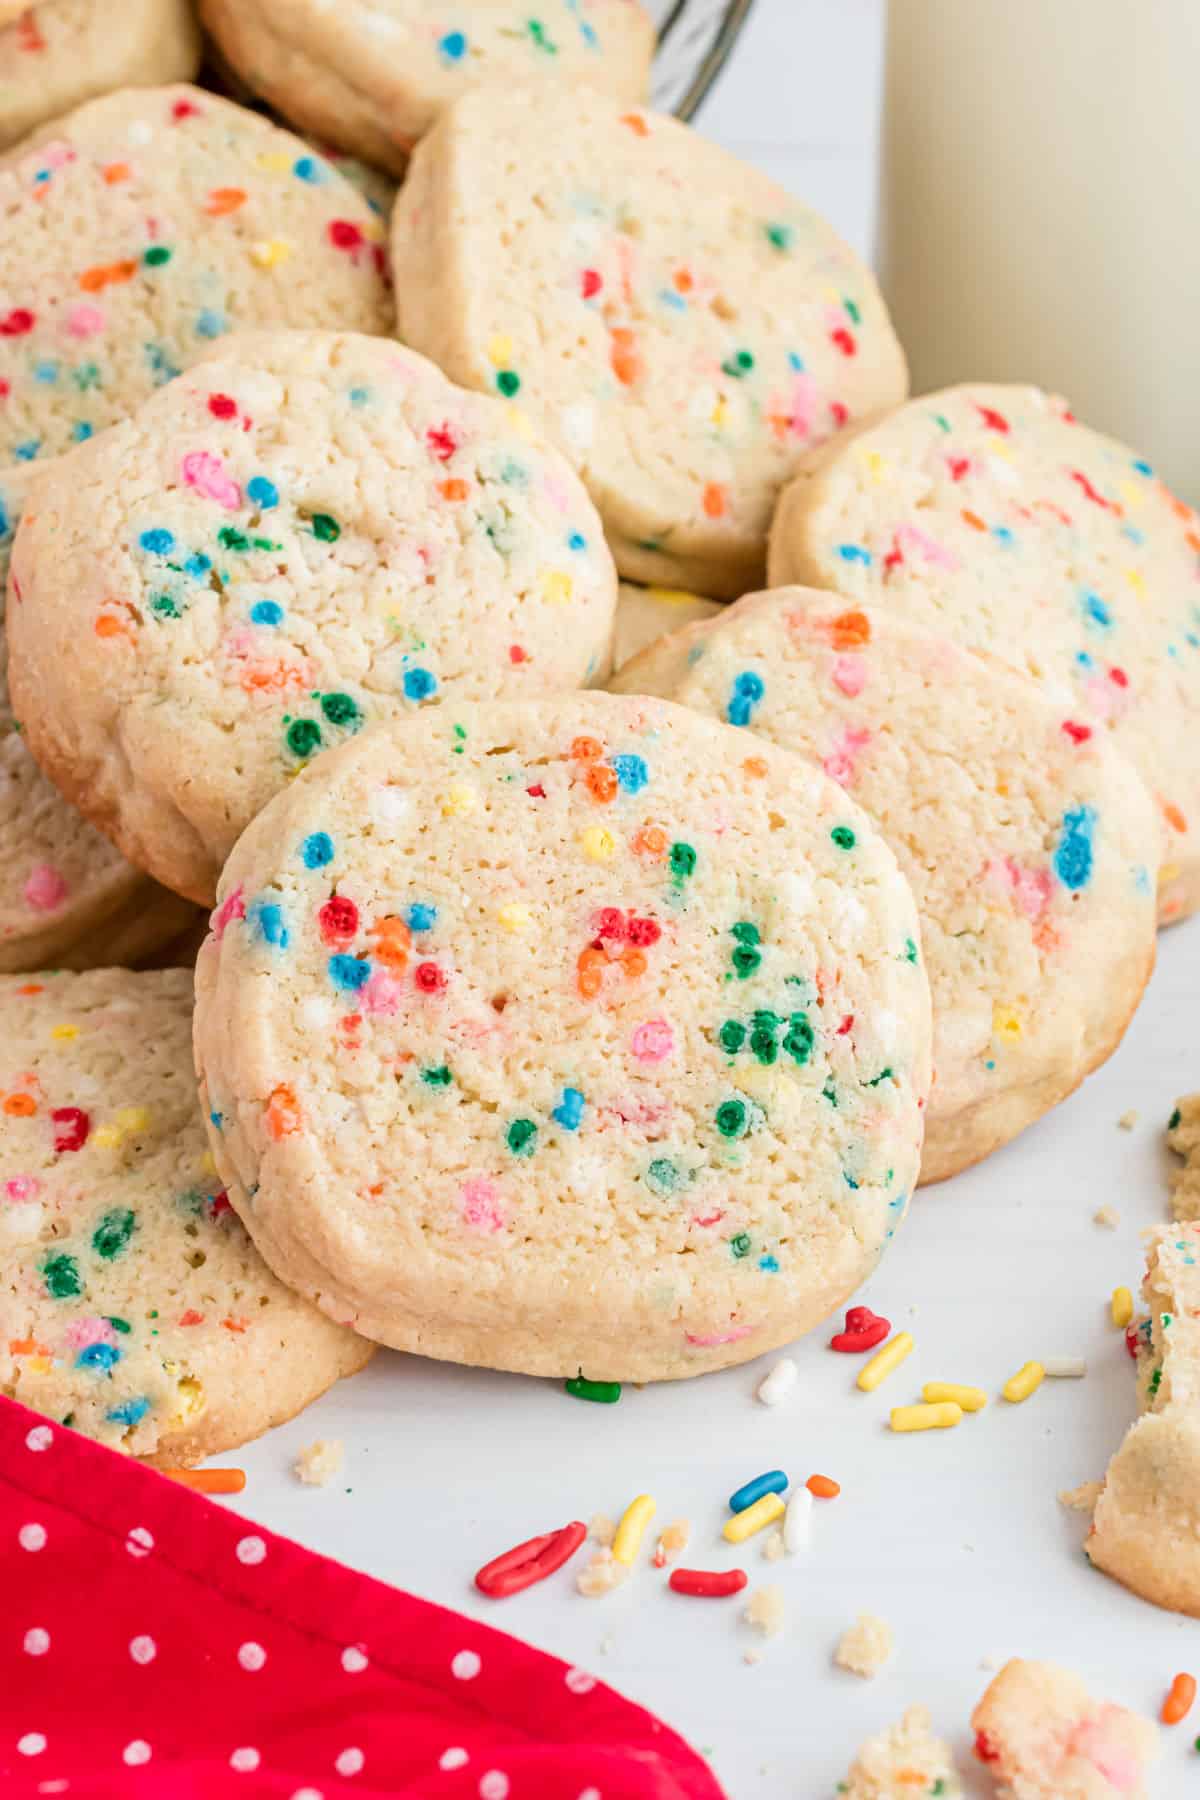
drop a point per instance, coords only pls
(493, 1785)
(140, 1542)
(308, 1794)
(591, 1794)
(59, 1786)
(143, 1649)
(354, 1659)
(37, 1641)
(32, 1536)
(136, 1753)
(245, 1759)
(251, 1550)
(32, 1744)
(579, 1681)
(40, 1438)
(350, 1761)
(466, 1665)
(252, 1657)
(454, 1758)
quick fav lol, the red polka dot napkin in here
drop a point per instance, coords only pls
(154, 1644)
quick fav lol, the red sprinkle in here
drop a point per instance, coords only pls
(845, 341)
(73, 1127)
(838, 413)
(1118, 677)
(17, 322)
(958, 466)
(644, 931)
(846, 1026)
(344, 234)
(1082, 481)
(338, 919)
(429, 978)
(536, 792)
(530, 1562)
(592, 282)
(184, 109)
(993, 420)
(985, 1750)
(1078, 734)
(442, 442)
(864, 1329)
(222, 406)
(1131, 1340)
(708, 1584)
(516, 654)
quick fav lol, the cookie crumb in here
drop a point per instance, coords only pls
(602, 1529)
(1082, 1498)
(1107, 1216)
(672, 1542)
(752, 1657)
(318, 1463)
(906, 1759)
(1129, 1119)
(602, 1574)
(766, 1611)
(865, 1646)
(775, 1549)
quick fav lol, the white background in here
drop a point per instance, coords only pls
(955, 1537)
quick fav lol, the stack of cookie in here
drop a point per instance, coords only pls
(542, 1028)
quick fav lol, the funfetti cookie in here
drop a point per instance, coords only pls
(520, 1036)
(132, 1304)
(304, 535)
(373, 75)
(146, 225)
(903, 1762)
(1028, 839)
(683, 327)
(1144, 1527)
(56, 55)
(1041, 1736)
(990, 514)
(67, 898)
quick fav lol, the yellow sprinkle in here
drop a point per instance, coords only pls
(971, 1399)
(65, 1031)
(939, 1417)
(670, 596)
(1167, 874)
(500, 349)
(598, 843)
(1132, 495)
(767, 1511)
(458, 799)
(876, 466)
(1026, 1381)
(1006, 1023)
(372, 230)
(884, 1361)
(998, 447)
(632, 1529)
(207, 1164)
(192, 1401)
(268, 252)
(513, 917)
(106, 1137)
(275, 162)
(1122, 1307)
(557, 587)
(520, 421)
(718, 415)
(131, 1119)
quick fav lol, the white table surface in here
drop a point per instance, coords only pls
(955, 1537)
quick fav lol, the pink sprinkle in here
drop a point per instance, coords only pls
(930, 549)
(231, 908)
(803, 406)
(382, 994)
(82, 1332)
(839, 765)
(653, 1041)
(850, 675)
(555, 490)
(22, 1187)
(706, 1340)
(1031, 889)
(85, 321)
(45, 889)
(480, 1200)
(1108, 1757)
(206, 473)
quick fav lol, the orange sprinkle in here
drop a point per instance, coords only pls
(585, 749)
(208, 1481)
(115, 172)
(602, 782)
(974, 521)
(191, 1317)
(271, 678)
(31, 987)
(1178, 1703)
(634, 963)
(453, 490)
(26, 1347)
(850, 630)
(110, 625)
(1173, 816)
(590, 972)
(20, 1106)
(1192, 541)
(683, 281)
(95, 280)
(716, 500)
(392, 940)
(755, 767)
(823, 1486)
(235, 1324)
(283, 1112)
(224, 200)
(28, 36)
(636, 124)
(623, 355)
(651, 841)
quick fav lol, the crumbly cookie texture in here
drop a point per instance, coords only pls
(644, 614)
(133, 1305)
(373, 75)
(683, 327)
(1030, 843)
(1146, 1528)
(905, 1762)
(67, 897)
(302, 536)
(991, 515)
(143, 227)
(318, 1463)
(1183, 1136)
(1043, 1737)
(56, 55)
(581, 962)
(865, 1646)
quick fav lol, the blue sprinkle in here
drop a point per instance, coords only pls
(1133, 534)
(1085, 659)
(1143, 468)
(747, 692)
(28, 450)
(98, 1356)
(264, 493)
(266, 612)
(850, 1181)
(272, 926)
(217, 1121)
(577, 541)
(1096, 612)
(210, 324)
(1004, 535)
(198, 564)
(359, 396)
(854, 553)
(5, 521)
(1073, 858)
(348, 972)
(669, 297)
(158, 541)
(453, 46)
(43, 175)
(769, 1264)
(81, 431)
(588, 34)
(631, 772)
(317, 850)
(421, 918)
(419, 684)
(130, 1412)
(1141, 878)
(569, 1110)
(308, 169)
(46, 372)
(795, 362)
(773, 1482)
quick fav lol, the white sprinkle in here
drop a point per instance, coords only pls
(797, 1521)
(390, 804)
(138, 132)
(779, 1383)
(1064, 1368)
(578, 426)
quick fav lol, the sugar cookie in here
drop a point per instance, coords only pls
(646, 614)
(1043, 1737)
(906, 1762)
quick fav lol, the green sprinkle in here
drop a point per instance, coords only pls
(852, 307)
(521, 1137)
(738, 365)
(843, 837)
(537, 32)
(682, 859)
(1154, 1381)
(156, 256)
(437, 1078)
(780, 237)
(942, 420)
(910, 951)
(460, 732)
(1174, 1119)
(113, 1233)
(883, 1075)
(165, 606)
(746, 960)
(939, 1787)
(741, 1245)
(509, 382)
(745, 932)
(662, 1175)
(303, 737)
(62, 1277)
(604, 1393)
(732, 1036)
(799, 1040)
(731, 1118)
(340, 709)
(326, 527)
(121, 1325)
(230, 538)
(828, 1092)
(763, 1038)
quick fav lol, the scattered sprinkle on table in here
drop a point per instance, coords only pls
(971, 1399)
(208, 1481)
(774, 1481)
(942, 1416)
(823, 1486)
(767, 1511)
(604, 1393)
(530, 1562)
(1027, 1380)
(1064, 1368)
(1121, 1307)
(778, 1384)
(1178, 1703)
(708, 1584)
(632, 1529)
(885, 1361)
